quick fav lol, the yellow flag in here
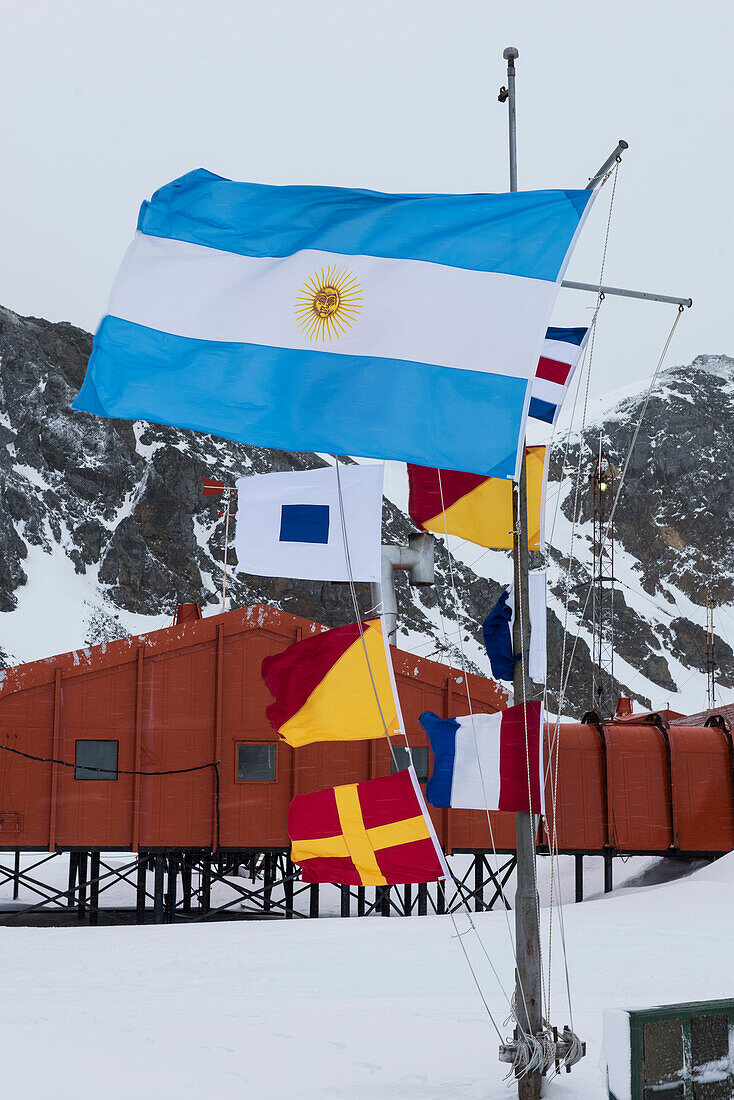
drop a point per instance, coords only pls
(478, 508)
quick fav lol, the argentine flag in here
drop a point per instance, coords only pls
(343, 321)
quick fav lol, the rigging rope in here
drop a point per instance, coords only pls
(358, 617)
(440, 885)
(457, 608)
(554, 747)
(605, 534)
(600, 299)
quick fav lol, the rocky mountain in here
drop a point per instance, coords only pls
(104, 529)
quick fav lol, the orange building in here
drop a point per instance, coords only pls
(158, 745)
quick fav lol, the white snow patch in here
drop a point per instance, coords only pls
(30, 473)
(326, 1009)
(56, 606)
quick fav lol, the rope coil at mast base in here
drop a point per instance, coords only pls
(540, 1053)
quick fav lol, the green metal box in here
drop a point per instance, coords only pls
(671, 1052)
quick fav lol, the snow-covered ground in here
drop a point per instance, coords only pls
(324, 1009)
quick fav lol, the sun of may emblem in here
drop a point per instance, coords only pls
(328, 303)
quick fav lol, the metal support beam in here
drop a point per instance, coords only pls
(608, 877)
(206, 884)
(268, 881)
(478, 882)
(422, 899)
(81, 895)
(441, 899)
(16, 876)
(159, 888)
(595, 288)
(288, 873)
(94, 888)
(614, 156)
(187, 881)
(171, 892)
(644, 295)
(417, 559)
(579, 860)
(73, 867)
(140, 892)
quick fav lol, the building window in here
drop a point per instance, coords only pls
(421, 761)
(256, 762)
(96, 760)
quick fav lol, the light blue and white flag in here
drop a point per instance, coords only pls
(336, 320)
(294, 524)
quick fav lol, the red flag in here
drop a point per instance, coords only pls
(212, 487)
(376, 833)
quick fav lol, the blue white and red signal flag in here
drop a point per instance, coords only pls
(487, 761)
(562, 349)
(336, 320)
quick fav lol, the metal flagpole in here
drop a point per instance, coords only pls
(595, 288)
(227, 498)
(528, 1001)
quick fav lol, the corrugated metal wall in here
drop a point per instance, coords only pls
(187, 696)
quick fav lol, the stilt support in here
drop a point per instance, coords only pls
(579, 862)
(608, 881)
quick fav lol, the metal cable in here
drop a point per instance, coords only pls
(474, 734)
(441, 885)
(679, 313)
(521, 521)
(358, 617)
(553, 741)
(214, 764)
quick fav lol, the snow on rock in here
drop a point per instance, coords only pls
(103, 530)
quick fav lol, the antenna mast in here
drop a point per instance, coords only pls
(603, 480)
(527, 929)
(533, 1041)
(710, 658)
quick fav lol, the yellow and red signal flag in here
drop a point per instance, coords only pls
(335, 686)
(376, 833)
(478, 508)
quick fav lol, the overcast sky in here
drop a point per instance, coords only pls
(103, 101)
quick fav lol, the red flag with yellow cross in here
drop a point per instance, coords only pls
(376, 833)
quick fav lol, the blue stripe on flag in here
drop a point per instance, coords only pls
(441, 733)
(307, 400)
(567, 335)
(525, 233)
(542, 410)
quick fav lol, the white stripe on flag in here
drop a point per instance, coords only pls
(561, 351)
(537, 666)
(548, 391)
(412, 310)
(476, 780)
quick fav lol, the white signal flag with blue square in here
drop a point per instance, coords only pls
(290, 524)
(336, 320)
